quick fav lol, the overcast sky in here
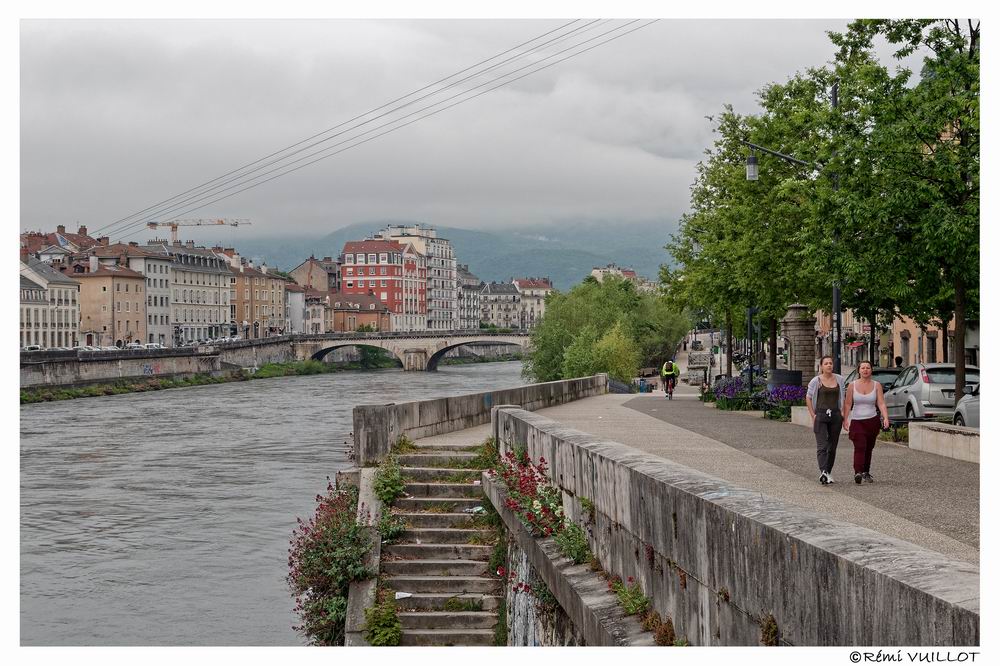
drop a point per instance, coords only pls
(119, 115)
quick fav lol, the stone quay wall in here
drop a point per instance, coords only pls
(377, 427)
(74, 372)
(732, 567)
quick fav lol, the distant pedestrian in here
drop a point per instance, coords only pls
(825, 401)
(899, 361)
(862, 405)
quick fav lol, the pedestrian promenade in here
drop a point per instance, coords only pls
(918, 497)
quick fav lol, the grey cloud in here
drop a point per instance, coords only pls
(117, 115)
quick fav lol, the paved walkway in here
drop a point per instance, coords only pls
(918, 497)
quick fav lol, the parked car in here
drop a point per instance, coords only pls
(134, 345)
(32, 348)
(926, 390)
(152, 345)
(884, 376)
(967, 410)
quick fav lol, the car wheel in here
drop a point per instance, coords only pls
(909, 412)
(959, 421)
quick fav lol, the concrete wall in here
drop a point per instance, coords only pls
(361, 593)
(721, 560)
(800, 416)
(950, 441)
(587, 614)
(79, 373)
(377, 427)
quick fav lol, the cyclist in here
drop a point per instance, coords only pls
(669, 372)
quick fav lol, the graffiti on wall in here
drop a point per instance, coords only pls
(151, 369)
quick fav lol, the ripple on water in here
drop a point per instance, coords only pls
(163, 518)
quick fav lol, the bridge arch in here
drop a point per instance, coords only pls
(435, 358)
(377, 344)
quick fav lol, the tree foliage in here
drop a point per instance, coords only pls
(889, 210)
(604, 326)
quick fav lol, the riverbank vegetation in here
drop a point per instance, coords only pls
(606, 326)
(327, 553)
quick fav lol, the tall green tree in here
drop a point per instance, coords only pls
(923, 143)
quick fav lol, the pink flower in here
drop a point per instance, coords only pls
(500, 571)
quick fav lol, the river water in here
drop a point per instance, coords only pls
(163, 518)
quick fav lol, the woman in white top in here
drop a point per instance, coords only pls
(862, 404)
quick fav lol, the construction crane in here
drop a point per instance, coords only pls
(195, 223)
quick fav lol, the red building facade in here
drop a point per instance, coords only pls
(394, 273)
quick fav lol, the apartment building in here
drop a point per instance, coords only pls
(112, 305)
(533, 292)
(349, 313)
(395, 272)
(53, 320)
(442, 272)
(295, 307)
(257, 301)
(320, 274)
(155, 267)
(469, 290)
(200, 286)
(314, 316)
(500, 305)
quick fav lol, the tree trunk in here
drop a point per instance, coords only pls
(772, 345)
(959, 339)
(873, 338)
(729, 344)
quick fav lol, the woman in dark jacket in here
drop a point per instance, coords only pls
(825, 400)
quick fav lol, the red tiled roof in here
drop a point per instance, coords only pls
(372, 246)
(533, 283)
(362, 302)
(119, 249)
(291, 286)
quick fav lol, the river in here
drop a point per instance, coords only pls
(163, 518)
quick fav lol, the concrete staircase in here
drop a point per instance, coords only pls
(442, 558)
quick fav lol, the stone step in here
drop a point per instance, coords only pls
(450, 620)
(457, 520)
(444, 490)
(436, 504)
(432, 459)
(446, 567)
(438, 551)
(447, 637)
(443, 584)
(445, 535)
(446, 446)
(431, 601)
(441, 474)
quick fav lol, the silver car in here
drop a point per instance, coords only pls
(926, 390)
(967, 410)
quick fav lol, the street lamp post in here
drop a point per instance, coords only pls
(752, 173)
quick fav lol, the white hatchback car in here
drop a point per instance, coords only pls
(967, 410)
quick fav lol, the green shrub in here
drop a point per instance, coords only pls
(404, 445)
(630, 596)
(500, 631)
(487, 455)
(326, 554)
(390, 526)
(382, 625)
(389, 480)
(572, 542)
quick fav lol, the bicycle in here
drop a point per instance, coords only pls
(668, 388)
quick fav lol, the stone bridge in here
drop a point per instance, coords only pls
(416, 351)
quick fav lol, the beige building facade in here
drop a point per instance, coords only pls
(54, 319)
(112, 306)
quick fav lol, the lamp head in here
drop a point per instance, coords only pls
(751, 167)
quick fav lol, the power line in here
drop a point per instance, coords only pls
(248, 187)
(358, 117)
(201, 196)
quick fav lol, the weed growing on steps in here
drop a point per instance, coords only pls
(456, 605)
(443, 507)
(389, 480)
(404, 445)
(500, 631)
(390, 526)
(573, 544)
(382, 625)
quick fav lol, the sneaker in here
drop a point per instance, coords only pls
(829, 477)
(823, 479)
(868, 478)
(857, 478)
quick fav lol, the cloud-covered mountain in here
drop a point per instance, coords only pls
(565, 251)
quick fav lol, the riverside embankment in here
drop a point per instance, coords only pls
(163, 518)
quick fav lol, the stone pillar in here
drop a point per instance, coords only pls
(799, 326)
(414, 359)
